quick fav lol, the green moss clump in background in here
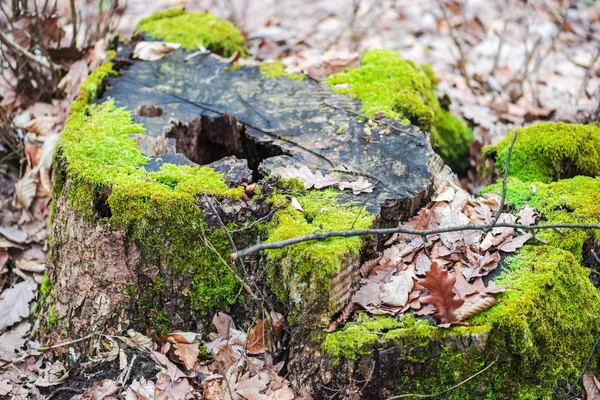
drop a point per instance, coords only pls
(193, 29)
(276, 69)
(568, 201)
(301, 274)
(158, 209)
(543, 328)
(400, 89)
(550, 151)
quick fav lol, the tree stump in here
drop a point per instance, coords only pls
(133, 208)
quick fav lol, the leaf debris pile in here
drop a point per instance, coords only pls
(442, 275)
(229, 364)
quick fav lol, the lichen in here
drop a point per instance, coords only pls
(568, 201)
(193, 29)
(97, 157)
(276, 69)
(550, 151)
(400, 89)
(541, 331)
(300, 274)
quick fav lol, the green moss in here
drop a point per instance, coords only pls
(543, 329)
(276, 69)
(301, 274)
(549, 151)
(45, 285)
(400, 89)
(193, 29)
(358, 338)
(52, 318)
(566, 201)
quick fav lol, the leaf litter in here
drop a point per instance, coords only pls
(442, 276)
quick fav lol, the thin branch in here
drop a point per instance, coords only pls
(37, 59)
(506, 167)
(74, 21)
(585, 365)
(587, 74)
(462, 59)
(229, 267)
(424, 396)
(56, 346)
(386, 231)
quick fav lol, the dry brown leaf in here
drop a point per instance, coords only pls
(138, 340)
(14, 303)
(257, 341)
(444, 194)
(25, 189)
(153, 51)
(473, 305)
(188, 353)
(441, 284)
(182, 337)
(224, 324)
(515, 243)
(527, 215)
(296, 205)
(591, 386)
(396, 291)
(12, 341)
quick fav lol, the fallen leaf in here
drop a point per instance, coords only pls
(591, 386)
(473, 305)
(188, 353)
(138, 340)
(182, 337)
(224, 324)
(140, 390)
(361, 185)
(296, 205)
(257, 342)
(515, 243)
(395, 292)
(152, 51)
(441, 284)
(527, 215)
(12, 341)
(14, 303)
(445, 194)
(13, 234)
(25, 189)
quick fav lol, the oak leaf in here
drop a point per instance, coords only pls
(441, 285)
(188, 353)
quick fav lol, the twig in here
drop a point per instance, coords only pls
(508, 11)
(585, 365)
(67, 343)
(386, 231)
(506, 167)
(74, 21)
(128, 372)
(39, 60)
(587, 74)
(229, 267)
(462, 60)
(424, 396)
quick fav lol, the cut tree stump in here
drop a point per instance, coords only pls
(244, 125)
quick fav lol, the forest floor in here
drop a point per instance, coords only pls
(504, 64)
